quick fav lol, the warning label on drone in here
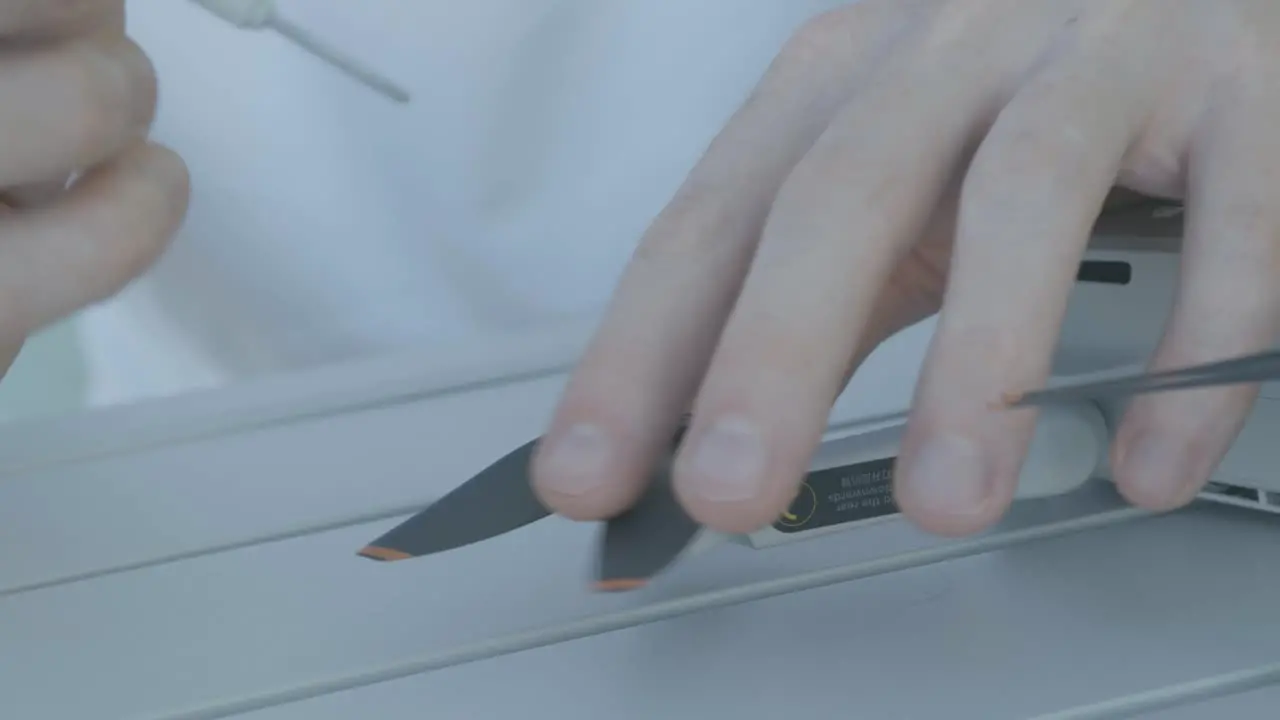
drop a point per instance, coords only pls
(841, 495)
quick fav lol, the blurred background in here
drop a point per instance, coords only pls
(329, 223)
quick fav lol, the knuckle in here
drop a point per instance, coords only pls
(94, 125)
(837, 35)
(133, 207)
(693, 223)
(143, 83)
(949, 20)
(114, 90)
(163, 195)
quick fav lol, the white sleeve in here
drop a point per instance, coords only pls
(327, 221)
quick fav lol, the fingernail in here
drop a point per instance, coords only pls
(1155, 468)
(948, 475)
(728, 462)
(578, 460)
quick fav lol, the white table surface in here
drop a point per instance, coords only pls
(91, 626)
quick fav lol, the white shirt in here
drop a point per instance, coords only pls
(327, 222)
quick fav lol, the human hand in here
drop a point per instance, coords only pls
(76, 99)
(902, 157)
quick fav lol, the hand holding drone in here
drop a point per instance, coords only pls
(850, 482)
(850, 485)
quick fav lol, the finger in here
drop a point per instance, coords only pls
(623, 401)
(106, 230)
(79, 105)
(914, 289)
(1035, 186)
(47, 18)
(1227, 304)
(9, 349)
(844, 220)
(9, 346)
(34, 194)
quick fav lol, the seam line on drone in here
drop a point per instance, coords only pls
(654, 612)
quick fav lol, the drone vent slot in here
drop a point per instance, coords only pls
(1241, 496)
(1105, 272)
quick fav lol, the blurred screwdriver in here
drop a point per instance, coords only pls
(262, 14)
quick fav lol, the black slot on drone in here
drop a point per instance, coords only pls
(1105, 272)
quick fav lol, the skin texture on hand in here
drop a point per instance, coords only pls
(77, 98)
(902, 158)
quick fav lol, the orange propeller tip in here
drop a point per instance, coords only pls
(620, 584)
(1007, 400)
(373, 552)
